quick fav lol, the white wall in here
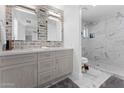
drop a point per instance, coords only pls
(72, 37)
(2, 11)
(2, 31)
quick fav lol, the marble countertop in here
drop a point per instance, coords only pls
(26, 51)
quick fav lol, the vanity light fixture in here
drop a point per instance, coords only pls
(25, 10)
(53, 18)
(54, 14)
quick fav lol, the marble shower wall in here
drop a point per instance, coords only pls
(108, 45)
(42, 31)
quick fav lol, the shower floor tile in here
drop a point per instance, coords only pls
(92, 79)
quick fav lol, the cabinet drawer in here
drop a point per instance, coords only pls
(45, 77)
(46, 65)
(63, 52)
(17, 59)
(44, 55)
(46, 59)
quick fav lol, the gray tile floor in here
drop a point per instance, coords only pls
(66, 83)
(113, 82)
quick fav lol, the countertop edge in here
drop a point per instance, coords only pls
(29, 51)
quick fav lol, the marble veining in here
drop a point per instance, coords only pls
(108, 44)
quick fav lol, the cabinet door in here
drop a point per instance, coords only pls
(68, 64)
(45, 77)
(64, 65)
(59, 69)
(22, 75)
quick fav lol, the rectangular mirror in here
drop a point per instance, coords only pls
(55, 26)
(54, 29)
(24, 24)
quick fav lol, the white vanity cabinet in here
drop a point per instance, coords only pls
(18, 71)
(34, 69)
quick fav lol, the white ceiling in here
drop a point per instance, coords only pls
(99, 12)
